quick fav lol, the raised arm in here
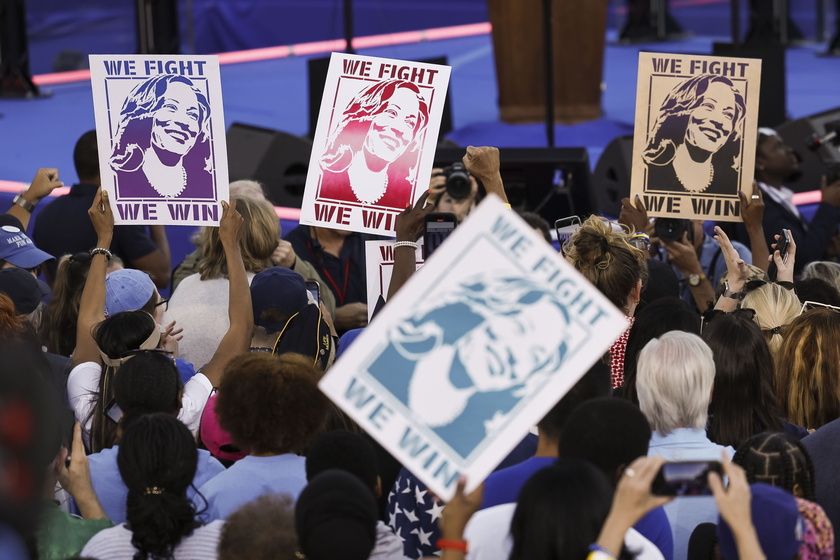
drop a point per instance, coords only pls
(483, 163)
(237, 339)
(46, 179)
(737, 273)
(75, 479)
(752, 212)
(409, 226)
(92, 304)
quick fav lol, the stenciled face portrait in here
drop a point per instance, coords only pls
(175, 124)
(392, 129)
(712, 121)
(493, 364)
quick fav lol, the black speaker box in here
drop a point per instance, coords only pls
(772, 104)
(318, 68)
(611, 178)
(799, 133)
(553, 182)
(277, 159)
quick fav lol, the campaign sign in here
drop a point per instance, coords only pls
(161, 133)
(695, 134)
(375, 142)
(379, 266)
(474, 349)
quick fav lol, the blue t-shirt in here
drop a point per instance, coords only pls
(250, 478)
(503, 486)
(112, 492)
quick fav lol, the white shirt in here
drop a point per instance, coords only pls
(488, 535)
(83, 385)
(115, 544)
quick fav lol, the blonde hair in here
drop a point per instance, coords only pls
(261, 234)
(775, 308)
(808, 369)
(606, 258)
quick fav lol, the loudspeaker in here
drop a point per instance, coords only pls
(277, 159)
(553, 182)
(318, 68)
(611, 178)
(772, 104)
(798, 134)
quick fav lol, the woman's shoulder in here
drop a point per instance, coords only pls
(114, 542)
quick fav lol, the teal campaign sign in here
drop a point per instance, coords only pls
(480, 343)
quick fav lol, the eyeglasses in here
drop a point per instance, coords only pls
(742, 312)
(164, 303)
(808, 305)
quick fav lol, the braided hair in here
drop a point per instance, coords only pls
(779, 460)
(157, 460)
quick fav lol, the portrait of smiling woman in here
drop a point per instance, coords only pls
(695, 143)
(162, 146)
(371, 155)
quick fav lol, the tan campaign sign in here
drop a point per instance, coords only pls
(695, 134)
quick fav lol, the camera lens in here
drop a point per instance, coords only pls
(670, 229)
(457, 181)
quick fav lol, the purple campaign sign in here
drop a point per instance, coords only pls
(160, 130)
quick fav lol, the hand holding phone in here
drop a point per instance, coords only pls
(438, 226)
(782, 245)
(685, 478)
(314, 288)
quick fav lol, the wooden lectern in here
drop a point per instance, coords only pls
(579, 37)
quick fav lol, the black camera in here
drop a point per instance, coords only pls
(457, 181)
(669, 230)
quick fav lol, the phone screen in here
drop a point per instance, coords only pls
(689, 478)
(438, 228)
(315, 289)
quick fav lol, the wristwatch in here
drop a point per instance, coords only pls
(695, 279)
(727, 293)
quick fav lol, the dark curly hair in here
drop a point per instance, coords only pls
(271, 404)
(157, 461)
(779, 460)
(261, 530)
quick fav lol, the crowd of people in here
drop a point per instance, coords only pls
(142, 427)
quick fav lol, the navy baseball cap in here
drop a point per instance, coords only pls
(18, 249)
(278, 287)
(25, 291)
(777, 522)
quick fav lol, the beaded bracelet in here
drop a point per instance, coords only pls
(101, 251)
(411, 244)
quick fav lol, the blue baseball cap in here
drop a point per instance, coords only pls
(18, 249)
(127, 289)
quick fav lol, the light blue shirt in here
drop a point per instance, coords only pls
(112, 492)
(687, 444)
(250, 478)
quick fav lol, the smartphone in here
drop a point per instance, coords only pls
(688, 478)
(782, 247)
(438, 226)
(113, 411)
(314, 288)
